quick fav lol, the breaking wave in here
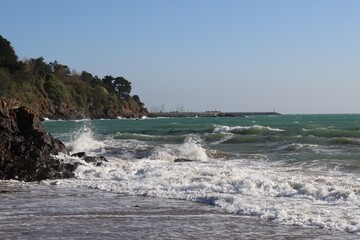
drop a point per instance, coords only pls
(297, 174)
(255, 129)
(278, 194)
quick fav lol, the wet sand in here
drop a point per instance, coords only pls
(39, 211)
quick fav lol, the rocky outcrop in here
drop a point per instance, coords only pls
(26, 149)
(96, 161)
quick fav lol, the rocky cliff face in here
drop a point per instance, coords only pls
(46, 109)
(26, 149)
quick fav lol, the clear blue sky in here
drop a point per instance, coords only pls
(256, 55)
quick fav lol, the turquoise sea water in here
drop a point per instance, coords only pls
(301, 170)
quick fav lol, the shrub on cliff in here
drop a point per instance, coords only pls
(6, 83)
(56, 91)
(37, 66)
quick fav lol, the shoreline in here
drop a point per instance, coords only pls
(45, 210)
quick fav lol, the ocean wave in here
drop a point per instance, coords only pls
(170, 148)
(144, 137)
(304, 147)
(239, 139)
(191, 150)
(331, 132)
(217, 138)
(255, 129)
(346, 141)
(307, 175)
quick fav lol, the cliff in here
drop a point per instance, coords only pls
(26, 149)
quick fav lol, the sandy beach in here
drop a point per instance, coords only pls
(45, 211)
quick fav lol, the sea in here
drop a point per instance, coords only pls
(253, 177)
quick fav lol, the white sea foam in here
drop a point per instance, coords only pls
(53, 120)
(82, 120)
(120, 118)
(286, 195)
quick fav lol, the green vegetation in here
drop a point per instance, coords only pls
(54, 91)
(8, 58)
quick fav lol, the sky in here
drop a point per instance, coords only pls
(294, 56)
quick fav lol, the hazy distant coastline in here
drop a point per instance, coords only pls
(208, 114)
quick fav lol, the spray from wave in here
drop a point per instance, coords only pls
(191, 149)
(84, 140)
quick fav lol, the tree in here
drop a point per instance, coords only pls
(8, 57)
(86, 77)
(38, 66)
(96, 81)
(120, 85)
(108, 80)
(137, 99)
(60, 70)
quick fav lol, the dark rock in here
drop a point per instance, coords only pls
(26, 149)
(97, 161)
(79, 155)
(183, 160)
(70, 167)
(5, 191)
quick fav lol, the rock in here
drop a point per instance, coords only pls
(97, 161)
(183, 160)
(79, 155)
(26, 149)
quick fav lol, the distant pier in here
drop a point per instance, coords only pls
(208, 114)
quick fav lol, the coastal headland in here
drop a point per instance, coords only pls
(208, 114)
(55, 91)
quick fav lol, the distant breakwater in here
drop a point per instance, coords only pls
(208, 114)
